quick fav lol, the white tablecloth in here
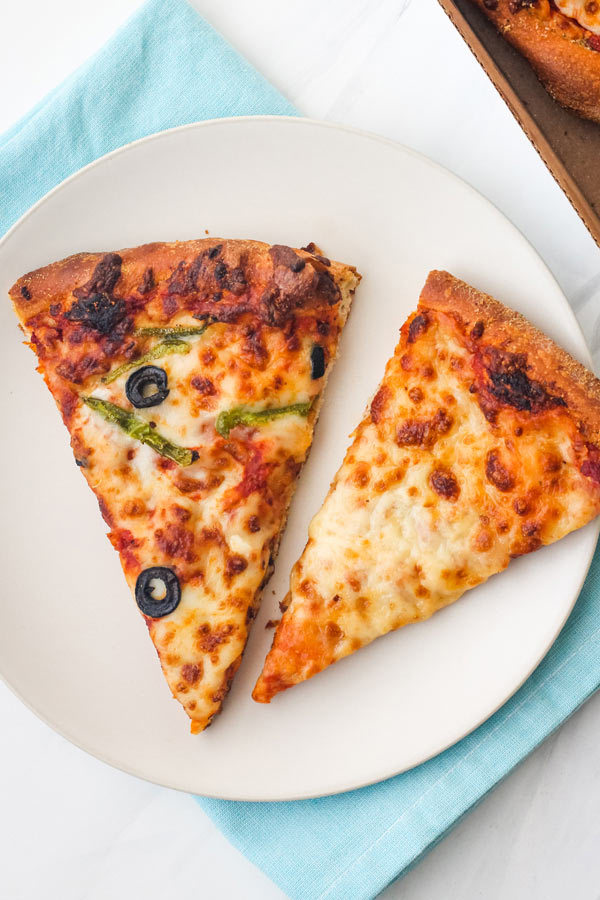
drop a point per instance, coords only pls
(72, 828)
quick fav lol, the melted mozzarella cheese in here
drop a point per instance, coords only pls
(586, 12)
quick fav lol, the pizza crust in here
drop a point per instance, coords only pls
(556, 48)
(546, 361)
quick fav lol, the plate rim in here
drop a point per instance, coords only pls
(584, 355)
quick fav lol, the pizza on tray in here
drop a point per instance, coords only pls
(561, 40)
(481, 444)
(190, 377)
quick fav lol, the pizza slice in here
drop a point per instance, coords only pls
(190, 377)
(481, 444)
(561, 40)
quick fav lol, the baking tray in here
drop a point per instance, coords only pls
(569, 145)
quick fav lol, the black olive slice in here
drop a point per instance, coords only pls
(317, 361)
(143, 378)
(144, 596)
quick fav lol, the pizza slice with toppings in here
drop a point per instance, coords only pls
(190, 377)
(481, 444)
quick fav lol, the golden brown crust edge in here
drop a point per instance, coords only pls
(556, 48)
(509, 330)
(33, 292)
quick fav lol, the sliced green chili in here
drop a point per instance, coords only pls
(241, 415)
(140, 430)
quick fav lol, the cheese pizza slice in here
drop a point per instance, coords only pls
(190, 377)
(481, 444)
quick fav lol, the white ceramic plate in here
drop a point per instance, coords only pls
(72, 644)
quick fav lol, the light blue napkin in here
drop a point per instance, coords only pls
(167, 67)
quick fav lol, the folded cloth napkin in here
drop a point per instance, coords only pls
(167, 67)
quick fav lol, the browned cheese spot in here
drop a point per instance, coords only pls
(208, 639)
(192, 673)
(424, 432)
(204, 386)
(236, 565)
(133, 508)
(333, 631)
(443, 482)
(360, 475)
(521, 506)
(379, 402)
(497, 473)
(483, 541)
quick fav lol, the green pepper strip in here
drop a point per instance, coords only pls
(162, 349)
(175, 332)
(241, 415)
(139, 429)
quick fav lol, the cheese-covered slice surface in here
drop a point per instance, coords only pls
(586, 12)
(480, 445)
(190, 377)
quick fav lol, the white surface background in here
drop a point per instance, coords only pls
(72, 828)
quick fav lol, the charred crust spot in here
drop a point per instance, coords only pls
(220, 271)
(25, 292)
(98, 311)
(322, 259)
(497, 473)
(236, 565)
(272, 623)
(148, 282)
(379, 402)
(104, 277)
(310, 248)
(323, 328)
(214, 251)
(417, 327)
(55, 309)
(192, 673)
(217, 296)
(285, 256)
(327, 288)
(424, 432)
(444, 483)
(276, 307)
(477, 330)
(253, 524)
(491, 4)
(236, 282)
(507, 381)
